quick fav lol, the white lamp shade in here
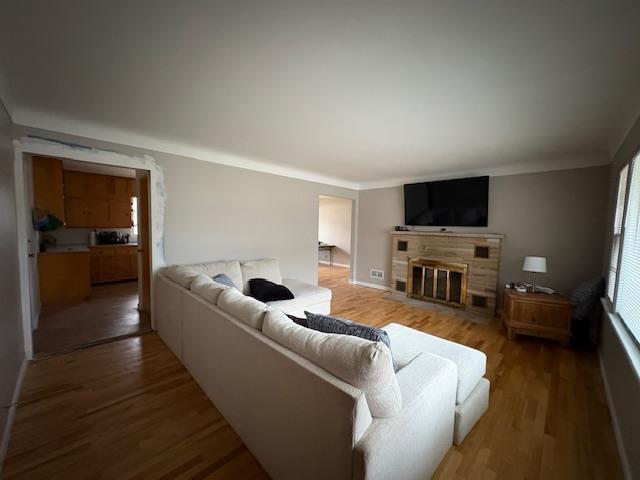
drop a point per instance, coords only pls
(535, 264)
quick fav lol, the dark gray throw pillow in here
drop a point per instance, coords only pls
(224, 279)
(329, 324)
(300, 321)
(267, 291)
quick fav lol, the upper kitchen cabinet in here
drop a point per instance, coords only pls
(120, 214)
(97, 201)
(123, 188)
(48, 193)
(87, 213)
(88, 185)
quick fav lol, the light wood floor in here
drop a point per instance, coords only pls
(128, 409)
(110, 312)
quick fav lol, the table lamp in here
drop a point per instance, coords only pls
(535, 265)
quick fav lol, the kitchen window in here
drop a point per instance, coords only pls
(134, 216)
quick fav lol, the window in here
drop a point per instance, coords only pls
(624, 266)
(627, 295)
(616, 239)
(134, 216)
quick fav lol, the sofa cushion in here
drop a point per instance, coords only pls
(304, 295)
(246, 309)
(229, 267)
(223, 279)
(181, 274)
(206, 288)
(266, 291)
(268, 268)
(330, 324)
(364, 364)
(407, 343)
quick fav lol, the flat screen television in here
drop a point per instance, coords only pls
(447, 203)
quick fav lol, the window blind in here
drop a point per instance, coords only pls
(617, 233)
(628, 294)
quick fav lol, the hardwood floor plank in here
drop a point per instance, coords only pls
(129, 410)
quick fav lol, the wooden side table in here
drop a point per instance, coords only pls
(538, 314)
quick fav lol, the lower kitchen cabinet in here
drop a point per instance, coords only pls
(112, 263)
(63, 277)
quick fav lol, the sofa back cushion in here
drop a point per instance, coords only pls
(206, 288)
(246, 309)
(268, 268)
(229, 267)
(362, 363)
(181, 274)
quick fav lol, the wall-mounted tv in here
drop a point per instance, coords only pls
(447, 203)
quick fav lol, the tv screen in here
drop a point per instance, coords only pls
(447, 203)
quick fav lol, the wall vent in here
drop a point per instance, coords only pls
(379, 274)
(481, 252)
(401, 286)
(403, 245)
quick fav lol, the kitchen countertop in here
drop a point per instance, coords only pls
(82, 248)
(65, 248)
(109, 245)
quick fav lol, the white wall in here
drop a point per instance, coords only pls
(334, 228)
(218, 212)
(11, 340)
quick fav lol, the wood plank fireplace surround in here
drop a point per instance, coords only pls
(453, 268)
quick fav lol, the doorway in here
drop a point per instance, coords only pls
(335, 224)
(89, 244)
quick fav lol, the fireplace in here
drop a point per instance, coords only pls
(436, 281)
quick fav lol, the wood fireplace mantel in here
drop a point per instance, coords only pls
(449, 234)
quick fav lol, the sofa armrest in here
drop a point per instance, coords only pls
(412, 444)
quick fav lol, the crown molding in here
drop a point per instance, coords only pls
(55, 123)
(563, 163)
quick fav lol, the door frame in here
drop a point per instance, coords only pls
(51, 148)
(354, 229)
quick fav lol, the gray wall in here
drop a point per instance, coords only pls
(11, 341)
(616, 347)
(558, 214)
(218, 212)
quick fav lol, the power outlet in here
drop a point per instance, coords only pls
(375, 273)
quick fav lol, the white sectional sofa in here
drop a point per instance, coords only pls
(310, 404)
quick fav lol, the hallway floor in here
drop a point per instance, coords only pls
(110, 312)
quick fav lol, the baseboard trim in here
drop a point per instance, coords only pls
(325, 262)
(6, 434)
(622, 454)
(370, 285)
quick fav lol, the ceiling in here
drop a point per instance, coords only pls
(349, 92)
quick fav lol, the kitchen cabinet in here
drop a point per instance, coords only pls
(48, 193)
(88, 185)
(97, 201)
(112, 263)
(64, 277)
(123, 188)
(120, 214)
(86, 212)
